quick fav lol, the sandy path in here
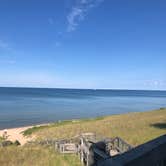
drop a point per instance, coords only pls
(15, 134)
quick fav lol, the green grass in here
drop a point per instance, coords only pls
(35, 156)
(135, 128)
(58, 124)
(1, 139)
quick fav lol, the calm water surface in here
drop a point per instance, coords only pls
(27, 106)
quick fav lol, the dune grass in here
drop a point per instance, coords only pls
(135, 128)
(35, 156)
(1, 139)
(58, 124)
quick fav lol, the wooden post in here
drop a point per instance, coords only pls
(81, 149)
(87, 159)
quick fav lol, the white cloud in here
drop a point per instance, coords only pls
(79, 11)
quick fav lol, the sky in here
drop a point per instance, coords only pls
(98, 44)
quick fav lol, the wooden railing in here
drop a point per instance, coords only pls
(152, 153)
(102, 150)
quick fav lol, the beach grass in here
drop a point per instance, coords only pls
(58, 124)
(1, 139)
(135, 128)
(36, 156)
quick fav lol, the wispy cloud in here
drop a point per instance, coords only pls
(7, 47)
(4, 45)
(79, 11)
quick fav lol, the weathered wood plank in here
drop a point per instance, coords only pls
(152, 153)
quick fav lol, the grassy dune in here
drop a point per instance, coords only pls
(135, 128)
(35, 156)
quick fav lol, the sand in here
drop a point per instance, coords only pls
(15, 134)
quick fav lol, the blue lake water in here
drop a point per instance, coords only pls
(28, 106)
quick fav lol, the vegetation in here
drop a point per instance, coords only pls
(5, 142)
(135, 128)
(35, 156)
(58, 124)
(1, 139)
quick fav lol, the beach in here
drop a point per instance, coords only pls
(16, 134)
(135, 128)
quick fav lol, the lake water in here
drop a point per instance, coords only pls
(27, 106)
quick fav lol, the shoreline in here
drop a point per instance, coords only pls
(14, 134)
(28, 125)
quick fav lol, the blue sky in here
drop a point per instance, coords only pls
(116, 44)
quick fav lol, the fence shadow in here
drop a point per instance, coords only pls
(159, 125)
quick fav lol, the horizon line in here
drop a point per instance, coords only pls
(29, 87)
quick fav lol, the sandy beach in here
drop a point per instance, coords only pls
(16, 134)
